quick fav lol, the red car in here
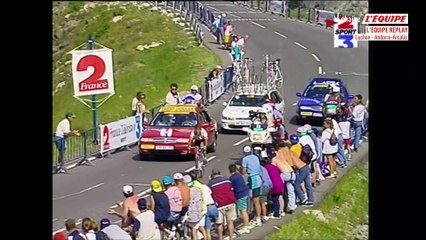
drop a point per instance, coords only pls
(169, 131)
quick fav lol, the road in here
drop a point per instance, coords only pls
(91, 190)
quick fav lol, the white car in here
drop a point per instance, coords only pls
(235, 116)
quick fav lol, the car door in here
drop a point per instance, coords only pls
(279, 100)
(208, 124)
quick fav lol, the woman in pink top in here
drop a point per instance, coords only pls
(277, 189)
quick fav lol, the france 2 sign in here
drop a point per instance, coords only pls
(92, 72)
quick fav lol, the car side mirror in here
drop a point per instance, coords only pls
(225, 104)
(298, 94)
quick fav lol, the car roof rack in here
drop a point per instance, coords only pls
(252, 89)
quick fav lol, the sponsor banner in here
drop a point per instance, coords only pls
(278, 7)
(321, 16)
(92, 72)
(216, 88)
(121, 133)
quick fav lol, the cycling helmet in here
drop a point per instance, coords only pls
(167, 180)
(336, 89)
(294, 138)
(194, 88)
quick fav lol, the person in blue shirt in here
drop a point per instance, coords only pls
(251, 166)
(241, 192)
(73, 233)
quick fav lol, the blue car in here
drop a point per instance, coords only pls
(311, 102)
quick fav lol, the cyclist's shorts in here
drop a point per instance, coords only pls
(198, 142)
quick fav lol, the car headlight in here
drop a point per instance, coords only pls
(317, 108)
(305, 108)
(228, 118)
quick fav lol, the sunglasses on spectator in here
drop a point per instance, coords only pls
(174, 89)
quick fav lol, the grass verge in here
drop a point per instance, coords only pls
(345, 212)
(151, 71)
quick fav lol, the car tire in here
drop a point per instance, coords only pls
(212, 148)
(223, 130)
(300, 121)
(143, 157)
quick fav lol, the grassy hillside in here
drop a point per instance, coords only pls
(151, 71)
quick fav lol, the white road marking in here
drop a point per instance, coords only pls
(315, 56)
(55, 219)
(148, 191)
(239, 142)
(300, 45)
(80, 192)
(294, 104)
(281, 35)
(78, 222)
(277, 228)
(257, 24)
(320, 70)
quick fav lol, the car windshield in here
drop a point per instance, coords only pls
(248, 100)
(316, 91)
(174, 120)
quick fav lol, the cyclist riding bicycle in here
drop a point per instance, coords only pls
(198, 139)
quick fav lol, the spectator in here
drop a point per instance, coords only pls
(305, 138)
(130, 207)
(174, 195)
(358, 113)
(113, 231)
(221, 187)
(160, 203)
(63, 131)
(145, 225)
(184, 191)
(209, 205)
(315, 172)
(229, 30)
(284, 163)
(341, 157)
(88, 227)
(173, 95)
(295, 146)
(217, 30)
(329, 150)
(251, 166)
(345, 126)
(241, 192)
(60, 236)
(140, 105)
(196, 217)
(215, 73)
(277, 190)
(135, 102)
(194, 97)
(73, 233)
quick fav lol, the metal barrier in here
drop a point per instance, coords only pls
(85, 146)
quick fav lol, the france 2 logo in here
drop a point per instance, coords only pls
(344, 32)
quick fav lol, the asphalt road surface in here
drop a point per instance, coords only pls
(302, 48)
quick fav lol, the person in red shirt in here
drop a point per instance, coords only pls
(223, 195)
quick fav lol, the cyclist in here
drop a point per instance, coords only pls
(199, 138)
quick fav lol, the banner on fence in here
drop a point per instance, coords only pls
(278, 7)
(92, 72)
(216, 88)
(321, 16)
(121, 133)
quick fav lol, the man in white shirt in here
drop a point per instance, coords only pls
(172, 96)
(194, 97)
(358, 113)
(145, 225)
(63, 131)
(113, 231)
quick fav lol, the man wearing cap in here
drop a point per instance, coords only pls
(194, 96)
(174, 195)
(305, 138)
(63, 131)
(145, 225)
(251, 166)
(130, 207)
(184, 191)
(160, 202)
(113, 231)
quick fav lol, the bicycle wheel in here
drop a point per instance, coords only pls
(279, 79)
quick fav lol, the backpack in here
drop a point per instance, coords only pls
(331, 105)
(101, 236)
(266, 182)
(306, 154)
(333, 139)
(195, 205)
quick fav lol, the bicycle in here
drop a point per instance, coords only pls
(273, 72)
(200, 160)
